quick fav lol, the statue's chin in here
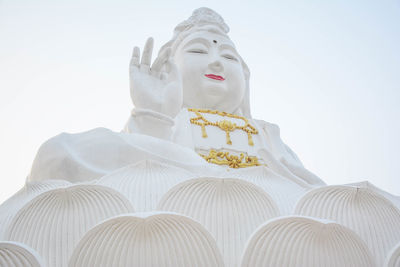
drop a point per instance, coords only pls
(213, 92)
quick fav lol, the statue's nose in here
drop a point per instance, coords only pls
(216, 66)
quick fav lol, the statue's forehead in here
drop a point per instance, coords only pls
(207, 36)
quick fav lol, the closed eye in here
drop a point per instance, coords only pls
(230, 57)
(197, 51)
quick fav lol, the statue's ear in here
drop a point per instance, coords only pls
(246, 71)
(244, 108)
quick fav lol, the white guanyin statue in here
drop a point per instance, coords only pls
(192, 180)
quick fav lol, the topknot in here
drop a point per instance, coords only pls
(200, 17)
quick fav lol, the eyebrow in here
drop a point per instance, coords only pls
(228, 47)
(198, 40)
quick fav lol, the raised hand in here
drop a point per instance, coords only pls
(159, 87)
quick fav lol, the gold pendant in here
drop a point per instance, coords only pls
(228, 127)
(250, 139)
(203, 131)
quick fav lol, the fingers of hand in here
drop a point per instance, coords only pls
(147, 51)
(135, 57)
(160, 61)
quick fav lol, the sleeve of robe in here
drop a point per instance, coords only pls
(89, 155)
(282, 158)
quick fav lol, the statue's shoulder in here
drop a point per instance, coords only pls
(74, 137)
(61, 143)
(268, 127)
(58, 157)
(273, 135)
(92, 154)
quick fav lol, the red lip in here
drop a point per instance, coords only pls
(215, 77)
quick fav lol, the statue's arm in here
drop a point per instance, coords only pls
(156, 93)
(149, 122)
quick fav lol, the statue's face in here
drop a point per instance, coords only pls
(212, 72)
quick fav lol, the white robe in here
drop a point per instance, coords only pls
(90, 155)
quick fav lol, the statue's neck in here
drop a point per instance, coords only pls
(237, 112)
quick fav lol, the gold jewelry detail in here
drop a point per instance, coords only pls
(223, 158)
(224, 125)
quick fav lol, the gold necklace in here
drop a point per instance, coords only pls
(224, 125)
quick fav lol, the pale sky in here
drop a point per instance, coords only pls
(327, 72)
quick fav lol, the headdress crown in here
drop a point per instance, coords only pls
(202, 16)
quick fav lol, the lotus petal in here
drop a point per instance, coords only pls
(373, 217)
(13, 254)
(231, 209)
(393, 258)
(365, 184)
(145, 182)
(30, 190)
(301, 241)
(53, 222)
(149, 239)
(282, 190)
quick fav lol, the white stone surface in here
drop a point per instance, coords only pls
(9, 208)
(147, 239)
(365, 184)
(230, 209)
(145, 182)
(369, 214)
(90, 155)
(301, 241)
(393, 257)
(14, 254)
(54, 222)
(284, 191)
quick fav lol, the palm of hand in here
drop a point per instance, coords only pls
(157, 88)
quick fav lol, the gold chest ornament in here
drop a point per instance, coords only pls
(224, 125)
(224, 158)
